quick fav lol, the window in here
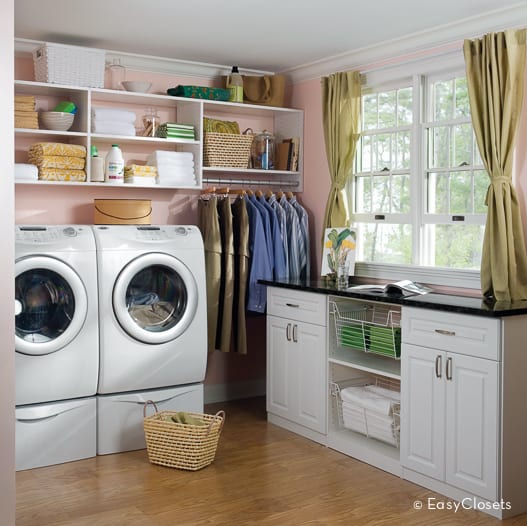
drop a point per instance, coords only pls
(418, 193)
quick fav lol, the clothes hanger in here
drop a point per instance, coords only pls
(289, 195)
(258, 193)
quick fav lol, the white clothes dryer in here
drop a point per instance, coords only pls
(56, 322)
(152, 307)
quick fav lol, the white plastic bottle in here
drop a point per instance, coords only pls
(114, 165)
(235, 85)
(96, 166)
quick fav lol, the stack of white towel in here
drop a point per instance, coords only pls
(173, 168)
(113, 122)
(370, 409)
(26, 172)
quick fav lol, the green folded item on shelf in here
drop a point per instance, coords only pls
(353, 336)
(385, 340)
(199, 92)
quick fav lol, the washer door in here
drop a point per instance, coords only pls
(155, 298)
(50, 305)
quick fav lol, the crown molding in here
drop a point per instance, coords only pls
(429, 42)
(150, 64)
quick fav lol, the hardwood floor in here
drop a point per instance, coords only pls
(262, 475)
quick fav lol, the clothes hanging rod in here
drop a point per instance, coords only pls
(249, 182)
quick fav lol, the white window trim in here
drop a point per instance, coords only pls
(457, 278)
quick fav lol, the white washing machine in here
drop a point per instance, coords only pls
(152, 307)
(56, 322)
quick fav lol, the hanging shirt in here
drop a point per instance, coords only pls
(266, 223)
(282, 223)
(295, 239)
(279, 267)
(259, 264)
(305, 271)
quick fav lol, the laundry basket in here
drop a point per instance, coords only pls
(183, 446)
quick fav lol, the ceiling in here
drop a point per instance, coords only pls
(275, 35)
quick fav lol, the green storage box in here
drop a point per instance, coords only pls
(199, 92)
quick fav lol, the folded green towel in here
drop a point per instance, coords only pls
(354, 336)
(385, 340)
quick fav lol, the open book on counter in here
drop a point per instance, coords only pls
(398, 288)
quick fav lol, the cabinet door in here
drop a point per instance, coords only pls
(296, 372)
(472, 424)
(278, 362)
(309, 356)
(423, 410)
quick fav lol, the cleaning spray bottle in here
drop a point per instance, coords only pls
(235, 85)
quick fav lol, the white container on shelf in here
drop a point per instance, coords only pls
(114, 165)
(96, 166)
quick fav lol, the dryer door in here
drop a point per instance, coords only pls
(155, 298)
(50, 305)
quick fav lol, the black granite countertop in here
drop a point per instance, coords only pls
(436, 301)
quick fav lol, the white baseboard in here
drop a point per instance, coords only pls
(233, 391)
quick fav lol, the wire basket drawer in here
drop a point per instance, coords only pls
(371, 408)
(369, 328)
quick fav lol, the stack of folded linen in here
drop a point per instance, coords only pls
(370, 410)
(140, 174)
(173, 168)
(26, 172)
(173, 130)
(59, 162)
(113, 122)
(25, 114)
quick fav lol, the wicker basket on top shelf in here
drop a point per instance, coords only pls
(226, 150)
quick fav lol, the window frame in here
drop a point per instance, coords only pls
(413, 73)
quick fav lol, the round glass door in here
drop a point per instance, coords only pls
(50, 305)
(155, 298)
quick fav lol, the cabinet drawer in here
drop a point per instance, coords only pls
(448, 331)
(308, 307)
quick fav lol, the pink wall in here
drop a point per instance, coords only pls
(308, 96)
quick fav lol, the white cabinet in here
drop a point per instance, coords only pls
(450, 418)
(296, 361)
(282, 122)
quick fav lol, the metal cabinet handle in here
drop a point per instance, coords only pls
(438, 366)
(449, 369)
(295, 333)
(288, 332)
(445, 332)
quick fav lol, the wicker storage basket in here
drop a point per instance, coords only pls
(181, 446)
(70, 65)
(229, 150)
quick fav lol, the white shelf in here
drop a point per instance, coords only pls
(287, 123)
(367, 362)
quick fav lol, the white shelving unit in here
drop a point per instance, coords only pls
(282, 122)
(349, 362)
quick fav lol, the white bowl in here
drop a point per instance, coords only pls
(56, 120)
(139, 86)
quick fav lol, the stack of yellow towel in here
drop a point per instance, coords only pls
(59, 162)
(25, 114)
(140, 174)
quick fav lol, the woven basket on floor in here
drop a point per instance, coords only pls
(181, 446)
(227, 150)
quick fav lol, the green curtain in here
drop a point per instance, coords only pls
(495, 71)
(341, 109)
